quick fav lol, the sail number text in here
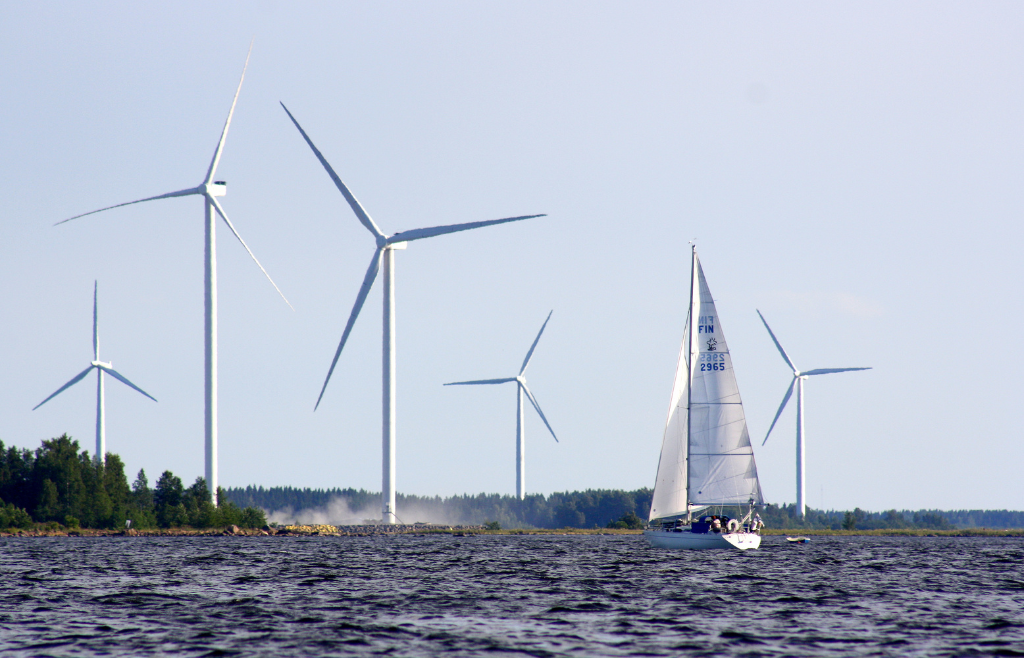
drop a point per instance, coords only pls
(712, 361)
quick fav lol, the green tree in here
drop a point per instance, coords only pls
(628, 520)
(49, 502)
(227, 513)
(16, 484)
(115, 483)
(11, 516)
(167, 500)
(198, 507)
(893, 519)
(94, 508)
(253, 517)
(568, 516)
(140, 508)
(58, 462)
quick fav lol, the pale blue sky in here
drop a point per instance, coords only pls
(850, 169)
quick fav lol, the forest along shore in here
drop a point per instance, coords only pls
(265, 531)
(461, 531)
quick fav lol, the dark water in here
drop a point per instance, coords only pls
(501, 595)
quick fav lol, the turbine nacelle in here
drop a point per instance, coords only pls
(217, 188)
(798, 375)
(384, 258)
(100, 364)
(384, 243)
(522, 390)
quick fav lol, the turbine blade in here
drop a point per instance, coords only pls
(227, 124)
(356, 207)
(540, 413)
(483, 381)
(188, 192)
(785, 399)
(364, 290)
(227, 221)
(825, 371)
(420, 233)
(118, 376)
(529, 354)
(79, 377)
(95, 324)
(777, 344)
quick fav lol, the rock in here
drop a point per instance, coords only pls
(233, 530)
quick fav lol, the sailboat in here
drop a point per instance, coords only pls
(706, 457)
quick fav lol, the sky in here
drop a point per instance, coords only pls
(850, 169)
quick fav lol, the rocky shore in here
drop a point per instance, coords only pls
(265, 531)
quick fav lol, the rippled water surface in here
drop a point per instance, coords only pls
(509, 595)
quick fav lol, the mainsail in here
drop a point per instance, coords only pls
(706, 457)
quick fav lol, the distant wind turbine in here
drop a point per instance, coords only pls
(209, 189)
(385, 252)
(101, 438)
(521, 388)
(798, 381)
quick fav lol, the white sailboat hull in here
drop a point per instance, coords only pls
(701, 541)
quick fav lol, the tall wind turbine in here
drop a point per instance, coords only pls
(798, 381)
(101, 432)
(386, 246)
(209, 189)
(521, 388)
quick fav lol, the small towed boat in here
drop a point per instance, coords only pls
(799, 540)
(706, 457)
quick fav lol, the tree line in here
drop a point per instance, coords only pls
(579, 509)
(601, 508)
(59, 484)
(786, 517)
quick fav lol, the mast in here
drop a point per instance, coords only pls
(689, 371)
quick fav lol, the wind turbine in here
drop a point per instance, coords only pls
(798, 381)
(209, 189)
(101, 435)
(386, 246)
(521, 388)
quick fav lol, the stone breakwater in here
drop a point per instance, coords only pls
(265, 531)
(372, 529)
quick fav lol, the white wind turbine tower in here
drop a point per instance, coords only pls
(798, 381)
(521, 388)
(101, 437)
(386, 244)
(209, 189)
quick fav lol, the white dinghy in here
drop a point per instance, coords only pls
(706, 456)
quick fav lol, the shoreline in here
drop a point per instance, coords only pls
(470, 530)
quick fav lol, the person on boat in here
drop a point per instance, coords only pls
(716, 524)
(757, 523)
